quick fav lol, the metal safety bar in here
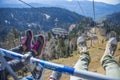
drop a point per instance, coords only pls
(57, 67)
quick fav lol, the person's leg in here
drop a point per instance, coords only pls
(16, 64)
(84, 60)
(82, 63)
(37, 49)
(25, 44)
(108, 62)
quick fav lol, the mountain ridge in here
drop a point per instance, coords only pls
(101, 9)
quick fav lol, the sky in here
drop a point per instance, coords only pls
(105, 1)
(43, 1)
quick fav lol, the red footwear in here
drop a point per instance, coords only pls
(37, 47)
(27, 41)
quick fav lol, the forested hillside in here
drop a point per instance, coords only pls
(35, 18)
(112, 22)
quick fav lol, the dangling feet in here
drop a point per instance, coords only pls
(84, 59)
(27, 41)
(81, 43)
(110, 47)
(37, 47)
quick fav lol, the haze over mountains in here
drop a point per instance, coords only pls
(86, 9)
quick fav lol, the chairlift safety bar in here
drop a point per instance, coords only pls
(57, 67)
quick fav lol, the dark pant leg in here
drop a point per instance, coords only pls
(17, 49)
(15, 64)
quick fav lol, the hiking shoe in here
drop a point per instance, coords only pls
(110, 47)
(55, 75)
(37, 47)
(81, 43)
(38, 71)
(27, 40)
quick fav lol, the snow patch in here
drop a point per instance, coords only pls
(30, 25)
(47, 16)
(12, 15)
(7, 22)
